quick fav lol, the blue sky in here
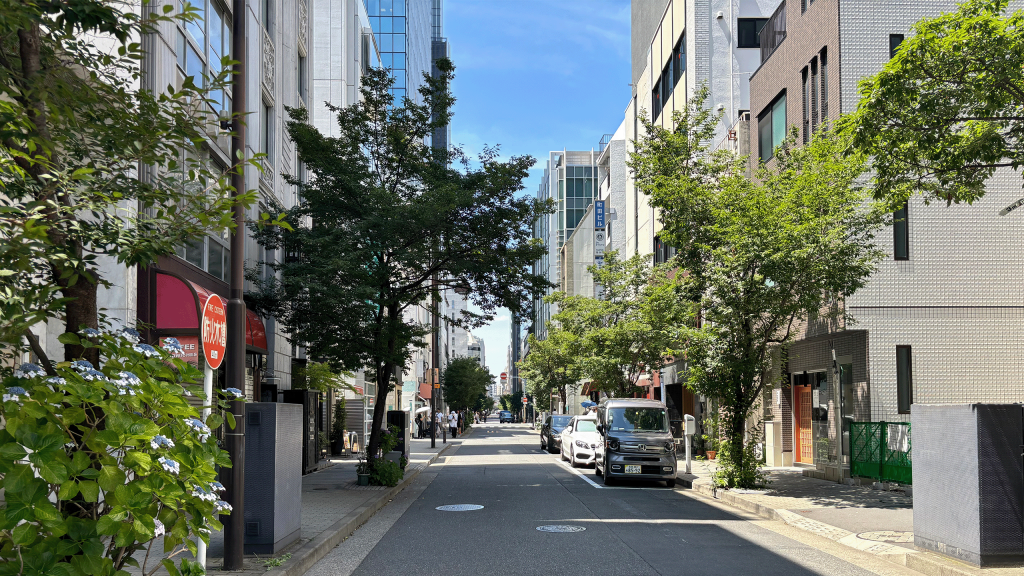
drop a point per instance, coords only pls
(535, 76)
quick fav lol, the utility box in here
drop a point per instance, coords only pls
(969, 481)
(273, 476)
(400, 418)
(310, 401)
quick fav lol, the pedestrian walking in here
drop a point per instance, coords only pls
(419, 425)
(453, 423)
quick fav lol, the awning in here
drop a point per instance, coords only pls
(425, 391)
(179, 304)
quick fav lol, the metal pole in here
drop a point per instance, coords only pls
(435, 324)
(208, 390)
(234, 439)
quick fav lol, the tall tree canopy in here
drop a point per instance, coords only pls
(551, 366)
(77, 123)
(634, 329)
(385, 221)
(464, 382)
(946, 111)
(759, 256)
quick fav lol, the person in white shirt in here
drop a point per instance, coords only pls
(453, 423)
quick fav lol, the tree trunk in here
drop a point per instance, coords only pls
(565, 407)
(81, 311)
(379, 407)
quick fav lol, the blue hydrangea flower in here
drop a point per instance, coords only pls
(94, 375)
(161, 441)
(235, 392)
(127, 379)
(15, 394)
(146, 349)
(82, 365)
(221, 506)
(28, 370)
(130, 334)
(202, 429)
(172, 345)
(56, 381)
(90, 332)
(203, 494)
(217, 487)
(169, 465)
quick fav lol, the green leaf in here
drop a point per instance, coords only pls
(138, 461)
(230, 419)
(69, 338)
(24, 534)
(111, 477)
(12, 451)
(19, 478)
(90, 490)
(107, 526)
(172, 570)
(53, 471)
(68, 490)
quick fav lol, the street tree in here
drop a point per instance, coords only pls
(759, 257)
(552, 366)
(79, 126)
(464, 383)
(945, 112)
(385, 222)
(634, 329)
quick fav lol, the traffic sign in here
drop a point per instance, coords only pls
(214, 330)
(525, 399)
(504, 375)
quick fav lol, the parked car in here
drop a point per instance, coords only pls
(550, 432)
(580, 440)
(504, 416)
(636, 441)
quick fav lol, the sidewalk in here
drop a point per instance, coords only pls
(873, 521)
(333, 507)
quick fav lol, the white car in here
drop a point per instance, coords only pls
(580, 440)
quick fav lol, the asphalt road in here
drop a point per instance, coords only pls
(645, 529)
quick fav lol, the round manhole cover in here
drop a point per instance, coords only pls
(459, 507)
(562, 528)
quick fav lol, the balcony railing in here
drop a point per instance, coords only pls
(774, 32)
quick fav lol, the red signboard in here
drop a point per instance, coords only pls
(214, 327)
(189, 349)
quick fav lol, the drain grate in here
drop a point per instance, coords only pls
(561, 528)
(459, 507)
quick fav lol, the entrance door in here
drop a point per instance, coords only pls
(804, 432)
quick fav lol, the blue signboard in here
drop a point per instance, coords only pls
(599, 214)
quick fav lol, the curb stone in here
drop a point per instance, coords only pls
(916, 560)
(313, 551)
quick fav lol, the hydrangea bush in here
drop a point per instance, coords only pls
(98, 461)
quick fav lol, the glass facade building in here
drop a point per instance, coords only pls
(403, 30)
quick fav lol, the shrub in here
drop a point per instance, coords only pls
(386, 473)
(98, 461)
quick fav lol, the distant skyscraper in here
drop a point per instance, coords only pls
(403, 32)
(438, 49)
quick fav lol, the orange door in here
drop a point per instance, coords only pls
(805, 438)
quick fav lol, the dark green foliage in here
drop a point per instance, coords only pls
(464, 381)
(945, 112)
(381, 215)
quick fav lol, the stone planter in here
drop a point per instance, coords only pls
(364, 479)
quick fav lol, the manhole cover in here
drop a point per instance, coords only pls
(888, 536)
(561, 528)
(459, 507)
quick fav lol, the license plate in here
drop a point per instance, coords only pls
(632, 468)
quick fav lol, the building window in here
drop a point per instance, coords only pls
(267, 133)
(662, 251)
(814, 95)
(266, 6)
(679, 56)
(749, 32)
(805, 96)
(904, 380)
(771, 128)
(804, 4)
(301, 72)
(656, 102)
(900, 234)
(201, 47)
(894, 43)
(824, 84)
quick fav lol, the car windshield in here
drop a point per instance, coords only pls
(637, 420)
(559, 422)
(586, 426)
(506, 413)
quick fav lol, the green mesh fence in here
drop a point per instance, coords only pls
(881, 450)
